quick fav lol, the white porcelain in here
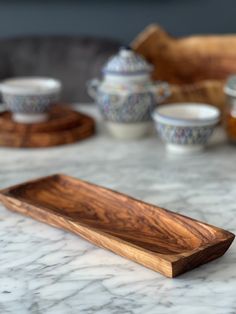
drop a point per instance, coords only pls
(126, 95)
(185, 127)
(187, 114)
(230, 86)
(127, 131)
(29, 118)
(230, 92)
(30, 85)
(184, 149)
(29, 98)
(127, 62)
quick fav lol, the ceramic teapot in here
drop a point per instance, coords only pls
(127, 96)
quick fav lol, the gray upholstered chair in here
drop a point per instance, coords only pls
(73, 60)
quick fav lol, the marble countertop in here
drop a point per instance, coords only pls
(44, 270)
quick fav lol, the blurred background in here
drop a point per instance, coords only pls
(120, 20)
(71, 39)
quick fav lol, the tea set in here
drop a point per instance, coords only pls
(129, 103)
(128, 100)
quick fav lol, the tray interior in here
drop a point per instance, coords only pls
(149, 227)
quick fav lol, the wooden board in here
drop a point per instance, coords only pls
(195, 66)
(152, 236)
(64, 126)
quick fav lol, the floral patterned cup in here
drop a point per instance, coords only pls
(29, 99)
(185, 127)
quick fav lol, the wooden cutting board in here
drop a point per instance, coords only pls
(195, 66)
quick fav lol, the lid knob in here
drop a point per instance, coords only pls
(126, 51)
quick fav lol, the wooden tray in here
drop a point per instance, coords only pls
(62, 117)
(154, 237)
(64, 126)
(195, 66)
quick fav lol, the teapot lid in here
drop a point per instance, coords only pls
(127, 62)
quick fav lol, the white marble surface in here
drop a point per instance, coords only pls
(47, 271)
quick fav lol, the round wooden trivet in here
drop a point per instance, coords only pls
(64, 126)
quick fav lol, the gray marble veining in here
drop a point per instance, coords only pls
(44, 270)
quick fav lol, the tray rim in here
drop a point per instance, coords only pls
(169, 260)
(87, 129)
(39, 128)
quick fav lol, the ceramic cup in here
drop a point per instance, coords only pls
(29, 98)
(185, 127)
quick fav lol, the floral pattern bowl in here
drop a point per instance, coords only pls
(185, 127)
(29, 98)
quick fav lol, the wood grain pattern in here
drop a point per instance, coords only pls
(152, 236)
(196, 66)
(64, 126)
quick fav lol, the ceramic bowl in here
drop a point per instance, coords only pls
(29, 98)
(185, 127)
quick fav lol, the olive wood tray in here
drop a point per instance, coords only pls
(64, 126)
(157, 238)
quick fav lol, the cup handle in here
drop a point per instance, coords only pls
(161, 91)
(92, 87)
